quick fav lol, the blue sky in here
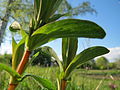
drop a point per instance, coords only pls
(108, 17)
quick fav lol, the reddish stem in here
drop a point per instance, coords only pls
(63, 84)
(23, 62)
(12, 86)
(21, 67)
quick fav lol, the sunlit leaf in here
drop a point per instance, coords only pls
(23, 33)
(64, 51)
(18, 53)
(9, 70)
(85, 56)
(44, 9)
(13, 45)
(65, 28)
(72, 49)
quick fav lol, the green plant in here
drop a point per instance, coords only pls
(45, 27)
(102, 63)
(71, 61)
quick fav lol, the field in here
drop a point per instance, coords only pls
(81, 80)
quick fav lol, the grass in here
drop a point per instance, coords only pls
(81, 80)
(102, 72)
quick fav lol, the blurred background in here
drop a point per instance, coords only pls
(105, 13)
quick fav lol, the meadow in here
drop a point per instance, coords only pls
(81, 79)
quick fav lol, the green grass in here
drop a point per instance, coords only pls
(91, 82)
(81, 80)
(101, 72)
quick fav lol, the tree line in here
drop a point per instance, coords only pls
(45, 60)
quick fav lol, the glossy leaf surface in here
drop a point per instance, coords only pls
(85, 56)
(64, 51)
(72, 49)
(65, 28)
(45, 8)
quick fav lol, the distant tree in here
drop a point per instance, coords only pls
(44, 56)
(42, 59)
(102, 63)
(90, 64)
(117, 62)
(81, 9)
(112, 65)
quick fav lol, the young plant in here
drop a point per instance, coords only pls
(71, 60)
(45, 27)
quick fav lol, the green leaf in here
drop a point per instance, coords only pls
(42, 81)
(13, 45)
(18, 53)
(69, 49)
(64, 51)
(65, 28)
(55, 17)
(32, 26)
(72, 49)
(85, 56)
(9, 70)
(23, 33)
(45, 8)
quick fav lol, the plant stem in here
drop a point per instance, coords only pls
(21, 67)
(63, 84)
(12, 86)
(23, 62)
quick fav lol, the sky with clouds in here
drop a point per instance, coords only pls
(108, 17)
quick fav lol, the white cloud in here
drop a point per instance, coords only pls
(113, 54)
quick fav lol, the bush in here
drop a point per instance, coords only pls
(42, 59)
(112, 65)
(102, 63)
